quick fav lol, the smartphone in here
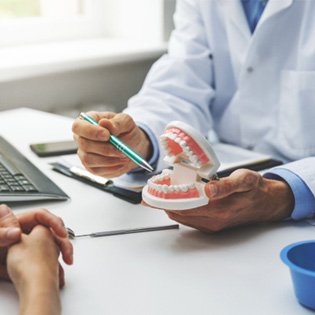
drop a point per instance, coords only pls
(54, 148)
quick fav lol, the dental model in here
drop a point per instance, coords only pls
(193, 159)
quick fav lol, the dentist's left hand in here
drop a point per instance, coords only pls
(243, 198)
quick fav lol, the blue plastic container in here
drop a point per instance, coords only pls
(300, 258)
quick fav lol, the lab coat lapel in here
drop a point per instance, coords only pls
(273, 7)
(239, 35)
(238, 32)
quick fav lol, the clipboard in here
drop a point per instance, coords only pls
(258, 166)
(132, 196)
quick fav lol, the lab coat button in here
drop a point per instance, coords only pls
(250, 69)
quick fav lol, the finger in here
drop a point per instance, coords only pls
(61, 277)
(87, 130)
(100, 115)
(202, 223)
(62, 244)
(97, 147)
(4, 273)
(96, 160)
(9, 236)
(66, 249)
(42, 216)
(199, 223)
(239, 181)
(7, 217)
(121, 123)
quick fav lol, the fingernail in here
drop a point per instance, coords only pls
(13, 234)
(4, 210)
(213, 190)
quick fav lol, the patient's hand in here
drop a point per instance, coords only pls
(10, 231)
(33, 267)
(11, 228)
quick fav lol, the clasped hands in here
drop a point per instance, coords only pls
(30, 237)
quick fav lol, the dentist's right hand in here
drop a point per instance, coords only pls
(97, 154)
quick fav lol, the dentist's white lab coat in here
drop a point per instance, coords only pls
(254, 90)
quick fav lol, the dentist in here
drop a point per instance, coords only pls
(245, 70)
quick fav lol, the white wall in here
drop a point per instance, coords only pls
(72, 91)
(111, 85)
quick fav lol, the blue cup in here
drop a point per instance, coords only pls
(300, 258)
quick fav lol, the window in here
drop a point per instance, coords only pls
(29, 21)
(36, 21)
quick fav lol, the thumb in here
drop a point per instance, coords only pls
(239, 181)
(7, 217)
(9, 236)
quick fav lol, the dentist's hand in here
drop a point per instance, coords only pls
(243, 198)
(97, 154)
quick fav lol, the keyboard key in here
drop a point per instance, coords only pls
(8, 165)
(23, 182)
(29, 188)
(17, 188)
(4, 188)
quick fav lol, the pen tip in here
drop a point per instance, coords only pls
(145, 165)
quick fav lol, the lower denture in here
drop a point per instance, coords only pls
(191, 193)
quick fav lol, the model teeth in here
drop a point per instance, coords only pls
(157, 183)
(165, 188)
(184, 145)
(172, 136)
(185, 188)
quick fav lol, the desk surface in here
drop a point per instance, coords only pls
(167, 272)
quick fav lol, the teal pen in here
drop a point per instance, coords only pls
(135, 157)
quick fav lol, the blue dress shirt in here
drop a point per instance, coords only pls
(304, 199)
(253, 10)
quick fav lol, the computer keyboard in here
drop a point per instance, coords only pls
(13, 182)
(20, 180)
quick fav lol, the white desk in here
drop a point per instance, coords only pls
(165, 272)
